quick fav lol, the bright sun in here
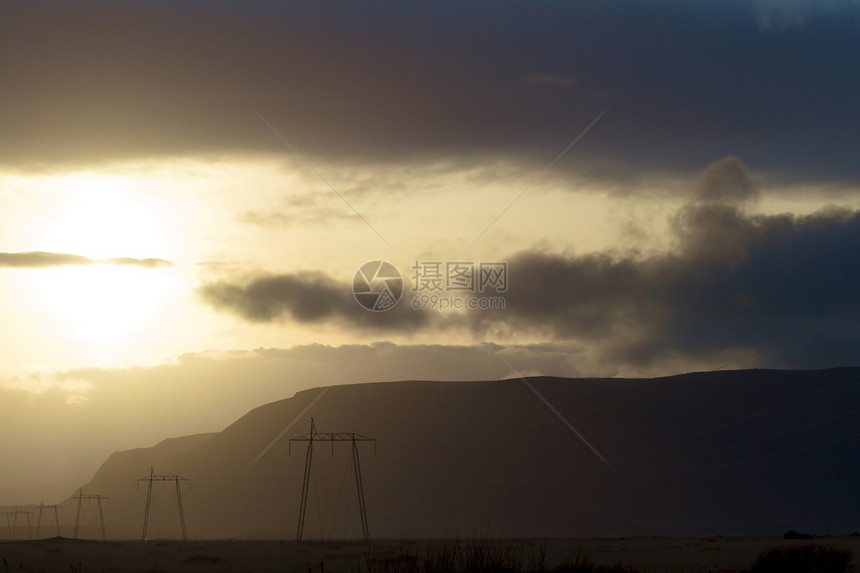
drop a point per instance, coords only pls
(102, 307)
(100, 217)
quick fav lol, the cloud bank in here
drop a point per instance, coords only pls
(381, 84)
(783, 286)
(307, 298)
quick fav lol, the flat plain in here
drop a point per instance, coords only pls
(646, 555)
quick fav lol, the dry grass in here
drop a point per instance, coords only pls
(803, 559)
(479, 557)
(635, 555)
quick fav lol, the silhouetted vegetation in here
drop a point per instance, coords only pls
(792, 534)
(424, 556)
(479, 557)
(803, 559)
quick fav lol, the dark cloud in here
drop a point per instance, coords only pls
(307, 297)
(778, 14)
(726, 181)
(781, 285)
(380, 83)
(39, 259)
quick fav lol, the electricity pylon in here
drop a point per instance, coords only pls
(315, 436)
(80, 497)
(56, 517)
(9, 522)
(26, 512)
(154, 477)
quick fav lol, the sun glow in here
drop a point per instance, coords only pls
(101, 308)
(101, 216)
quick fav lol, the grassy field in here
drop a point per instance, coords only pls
(644, 555)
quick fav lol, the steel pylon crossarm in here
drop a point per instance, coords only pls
(152, 477)
(56, 508)
(80, 497)
(332, 437)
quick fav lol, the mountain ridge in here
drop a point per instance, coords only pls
(696, 453)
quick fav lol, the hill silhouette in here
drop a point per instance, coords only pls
(752, 452)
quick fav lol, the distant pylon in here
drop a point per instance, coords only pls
(80, 497)
(153, 477)
(15, 521)
(315, 436)
(8, 522)
(56, 517)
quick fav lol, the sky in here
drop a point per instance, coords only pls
(189, 189)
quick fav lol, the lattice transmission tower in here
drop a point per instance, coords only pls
(12, 524)
(81, 497)
(315, 436)
(163, 478)
(42, 507)
(28, 513)
(9, 523)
